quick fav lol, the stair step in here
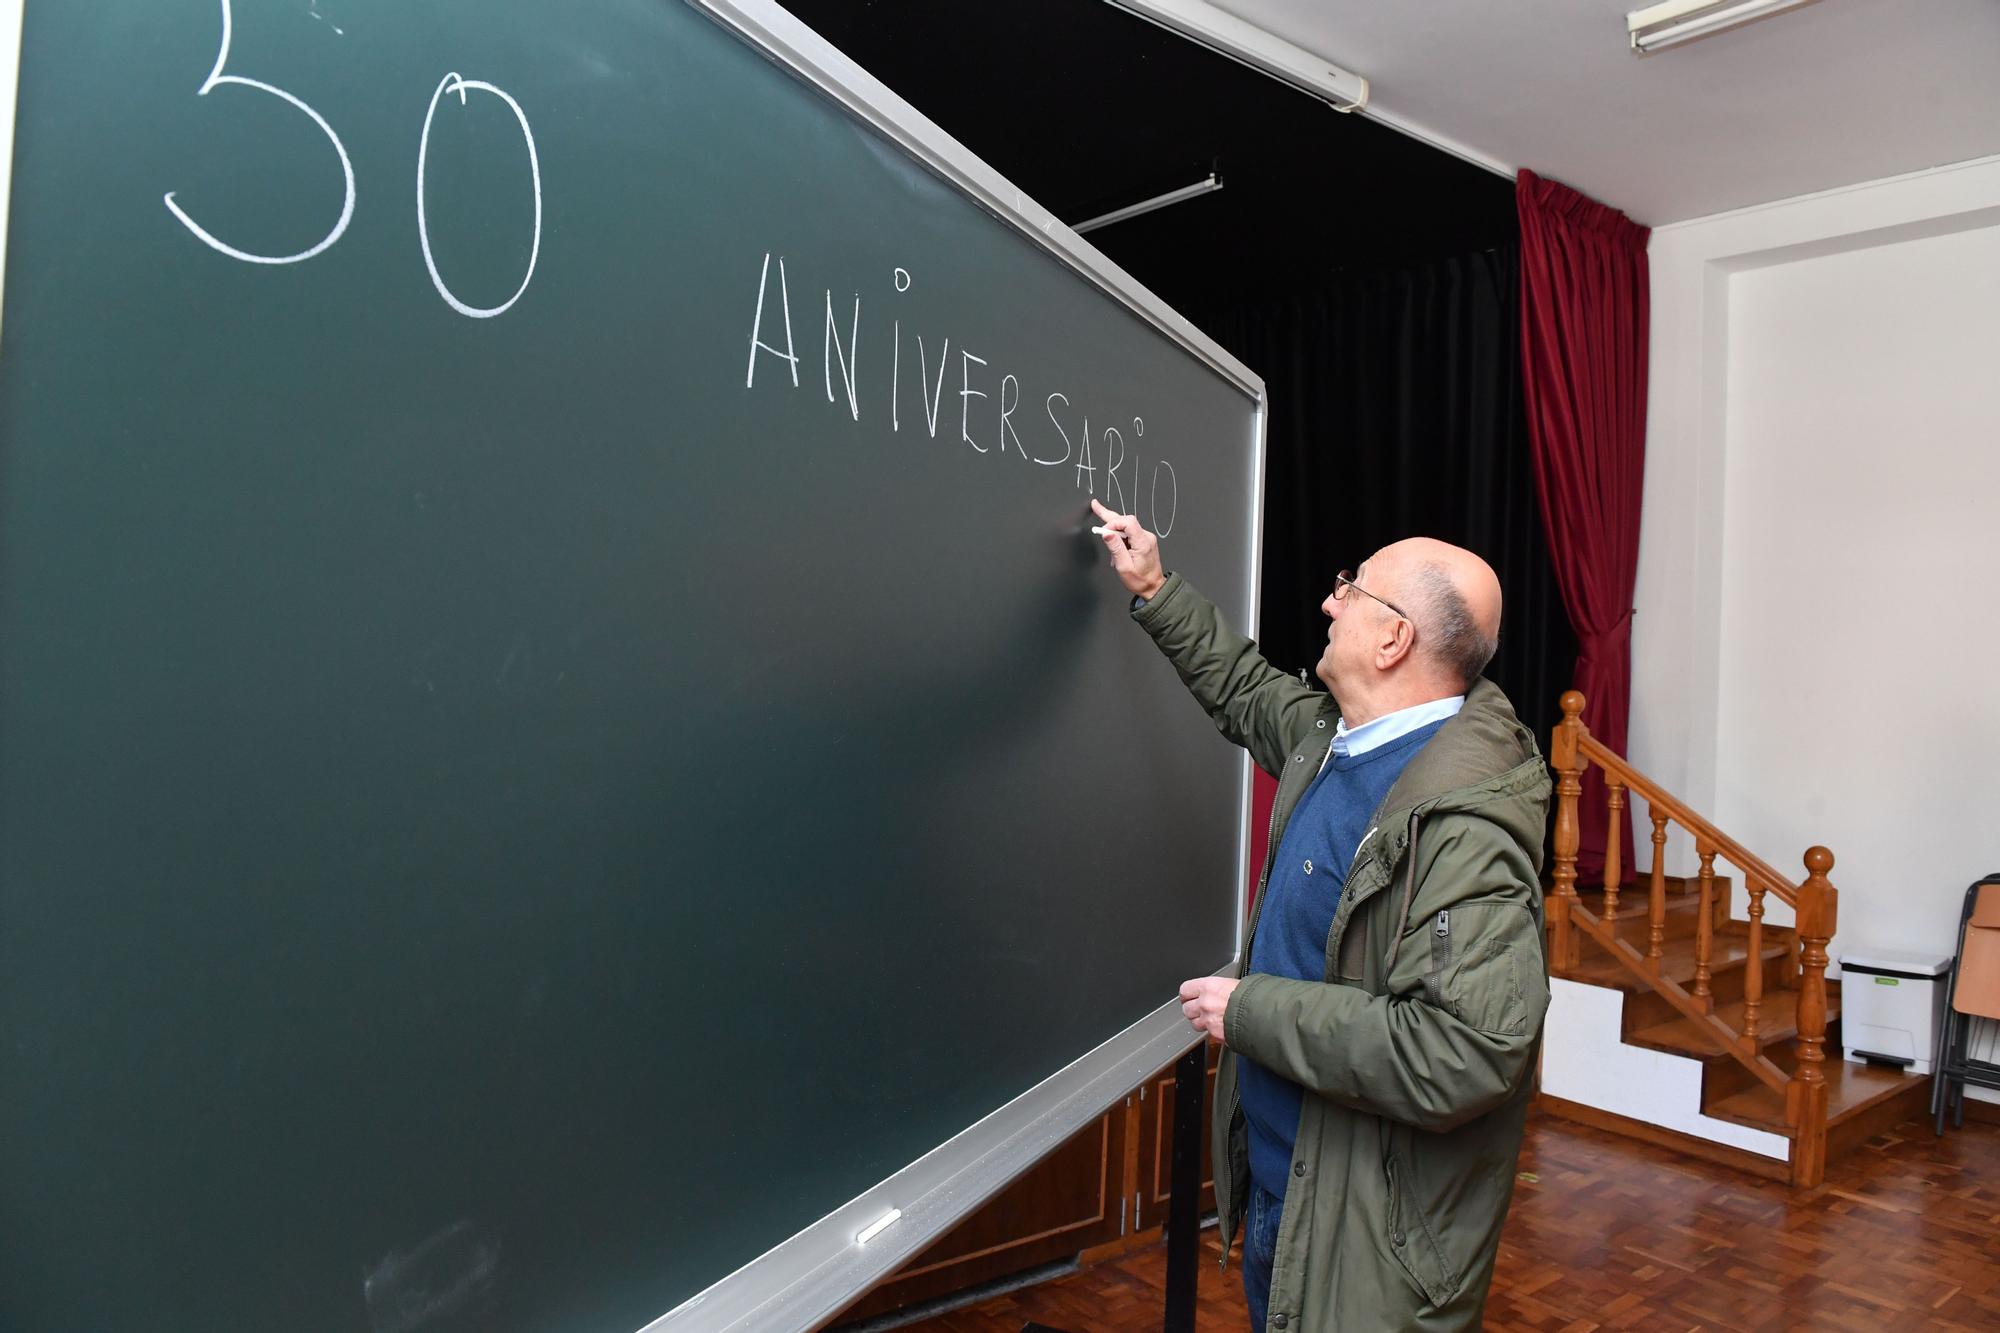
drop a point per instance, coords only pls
(1633, 923)
(1635, 900)
(1777, 1021)
(1729, 950)
(1641, 889)
(1852, 1092)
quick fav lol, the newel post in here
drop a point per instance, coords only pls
(1818, 918)
(1563, 757)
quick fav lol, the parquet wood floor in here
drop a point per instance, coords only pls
(1607, 1233)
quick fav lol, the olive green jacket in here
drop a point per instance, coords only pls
(1417, 1052)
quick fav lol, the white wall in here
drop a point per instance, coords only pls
(1859, 673)
(1817, 637)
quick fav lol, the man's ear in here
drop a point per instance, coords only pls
(1399, 637)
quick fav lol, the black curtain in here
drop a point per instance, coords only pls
(1396, 411)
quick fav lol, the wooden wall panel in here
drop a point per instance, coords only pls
(1070, 1201)
(1156, 1145)
(1109, 1181)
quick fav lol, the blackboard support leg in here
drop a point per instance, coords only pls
(1184, 1204)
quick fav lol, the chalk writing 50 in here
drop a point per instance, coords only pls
(452, 83)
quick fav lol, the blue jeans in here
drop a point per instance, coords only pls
(1260, 1244)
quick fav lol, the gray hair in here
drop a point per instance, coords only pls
(1454, 639)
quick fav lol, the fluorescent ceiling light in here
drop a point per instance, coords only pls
(1675, 21)
(1250, 45)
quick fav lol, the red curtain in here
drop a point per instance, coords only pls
(1584, 310)
(1263, 795)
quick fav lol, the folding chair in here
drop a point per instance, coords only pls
(1975, 993)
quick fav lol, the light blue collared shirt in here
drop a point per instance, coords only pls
(1390, 726)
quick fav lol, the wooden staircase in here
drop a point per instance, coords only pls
(1749, 1002)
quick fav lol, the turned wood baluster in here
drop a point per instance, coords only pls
(1613, 872)
(1817, 905)
(1569, 785)
(1753, 976)
(1656, 931)
(1805, 1102)
(1704, 929)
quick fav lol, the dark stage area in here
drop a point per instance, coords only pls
(1370, 278)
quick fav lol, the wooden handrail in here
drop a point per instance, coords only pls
(1659, 798)
(1814, 901)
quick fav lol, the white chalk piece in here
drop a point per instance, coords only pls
(877, 1227)
(1099, 532)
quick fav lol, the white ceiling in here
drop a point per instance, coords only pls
(1818, 97)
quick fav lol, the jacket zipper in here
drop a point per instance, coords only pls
(1409, 894)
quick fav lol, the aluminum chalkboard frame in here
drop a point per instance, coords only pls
(806, 1280)
(10, 73)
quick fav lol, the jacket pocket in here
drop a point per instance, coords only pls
(1486, 967)
(1413, 1239)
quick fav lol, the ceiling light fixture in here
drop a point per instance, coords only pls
(1675, 21)
(1250, 45)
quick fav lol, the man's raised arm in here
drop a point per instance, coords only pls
(1253, 703)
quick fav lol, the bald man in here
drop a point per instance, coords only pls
(1381, 1038)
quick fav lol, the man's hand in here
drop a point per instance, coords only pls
(1205, 1000)
(1135, 552)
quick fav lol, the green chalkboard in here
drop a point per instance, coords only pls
(573, 726)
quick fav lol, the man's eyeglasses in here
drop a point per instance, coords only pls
(1345, 580)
